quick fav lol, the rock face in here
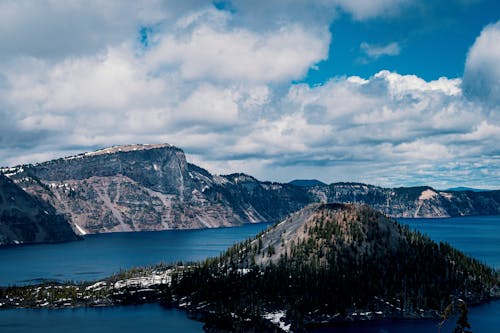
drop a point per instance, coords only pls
(153, 187)
(421, 201)
(25, 219)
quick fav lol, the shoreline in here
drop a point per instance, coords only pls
(271, 320)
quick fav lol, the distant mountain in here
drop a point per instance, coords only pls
(461, 189)
(25, 219)
(306, 182)
(153, 187)
(329, 263)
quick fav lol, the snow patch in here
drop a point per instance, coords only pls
(80, 229)
(9, 172)
(278, 319)
(448, 196)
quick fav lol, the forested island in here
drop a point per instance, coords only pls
(327, 263)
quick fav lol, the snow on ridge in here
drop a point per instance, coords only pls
(127, 148)
(11, 171)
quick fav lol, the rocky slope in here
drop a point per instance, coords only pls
(153, 187)
(25, 219)
(329, 263)
(420, 201)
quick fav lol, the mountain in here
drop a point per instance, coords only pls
(153, 187)
(334, 262)
(419, 201)
(25, 219)
(307, 182)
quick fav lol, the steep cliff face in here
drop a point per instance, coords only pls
(421, 201)
(25, 219)
(153, 187)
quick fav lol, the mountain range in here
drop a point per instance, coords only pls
(153, 187)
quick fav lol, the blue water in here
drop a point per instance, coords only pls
(477, 236)
(129, 319)
(101, 255)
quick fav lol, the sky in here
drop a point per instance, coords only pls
(386, 92)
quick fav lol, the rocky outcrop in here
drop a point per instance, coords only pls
(153, 187)
(26, 219)
(420, 201)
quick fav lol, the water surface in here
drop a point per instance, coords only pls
(101, 255)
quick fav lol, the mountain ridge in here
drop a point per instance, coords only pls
(153, 187)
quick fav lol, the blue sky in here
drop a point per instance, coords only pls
(434, 38)
(386, 92)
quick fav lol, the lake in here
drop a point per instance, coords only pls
(101, 255)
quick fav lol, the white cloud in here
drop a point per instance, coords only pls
(366, 9)
(482, 70)
(211, 49)
(219, 85)
(111, 79)
(209, 106)
(374, 51)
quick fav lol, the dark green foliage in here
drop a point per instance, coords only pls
(349, 258)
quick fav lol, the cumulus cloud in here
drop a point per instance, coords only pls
(219, 83)
(214, 50)
(482, 72)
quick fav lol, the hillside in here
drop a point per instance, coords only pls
(153, 187)
(24, 219)
(336, 262)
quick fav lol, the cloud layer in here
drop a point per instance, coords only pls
(219, 83)
(482, 70)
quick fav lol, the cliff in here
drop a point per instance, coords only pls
(25, 219)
